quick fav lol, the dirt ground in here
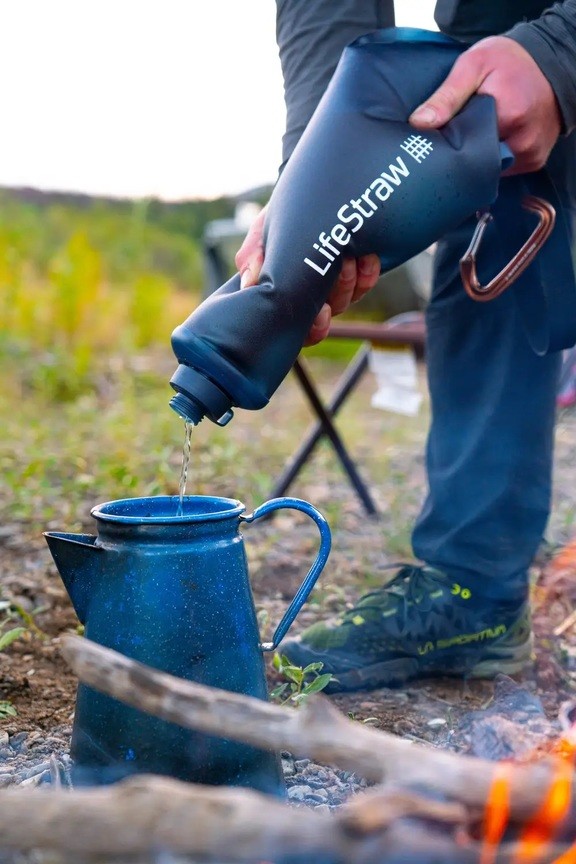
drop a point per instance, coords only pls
(34, 677)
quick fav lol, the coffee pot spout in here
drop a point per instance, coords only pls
(78, 561)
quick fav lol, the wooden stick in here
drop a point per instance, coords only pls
(566, 624)
(317, 730)
(150, 815)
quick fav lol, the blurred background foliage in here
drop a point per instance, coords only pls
(82, 278)
(90, 291)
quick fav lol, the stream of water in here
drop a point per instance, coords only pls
(185, 466)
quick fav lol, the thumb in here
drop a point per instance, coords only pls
(250, 256)
(251, 268)
(462, 82)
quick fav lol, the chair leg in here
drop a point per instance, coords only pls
(325, 426)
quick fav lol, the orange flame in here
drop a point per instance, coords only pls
(496, 813)
(565, 558)
(539, 830)
(568, 857)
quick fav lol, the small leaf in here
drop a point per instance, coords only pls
(313, 667)
(278, 691)
(11, 636)
(319, 683)
(7, 710)
(294, 673)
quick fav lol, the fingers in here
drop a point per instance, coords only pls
(250, 273)
(250, 256)
(320, 327)
(342, 293)
(367, 276)
(356, 278)
(528, 115)
(462, 82)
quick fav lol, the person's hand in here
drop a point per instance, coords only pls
(529, 119)
(356, 278)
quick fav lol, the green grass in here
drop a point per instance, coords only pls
(59, 458)
(118, 438)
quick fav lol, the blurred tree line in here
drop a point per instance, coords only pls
(85, 278)
(130, 236)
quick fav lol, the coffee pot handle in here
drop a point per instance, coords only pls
(306, 587)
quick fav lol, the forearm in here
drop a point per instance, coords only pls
(551, 41)
(311, 35)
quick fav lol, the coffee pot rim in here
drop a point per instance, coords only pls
(196, 508)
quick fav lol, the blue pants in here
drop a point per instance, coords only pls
(490, 446)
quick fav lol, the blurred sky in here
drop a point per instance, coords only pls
(171, 98)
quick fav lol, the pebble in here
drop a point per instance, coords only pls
(288, 767)
(319, 786)
(30, 758)
(35, 758)
(299, 793)
(35, 780)
(36, 769)
(18, 742)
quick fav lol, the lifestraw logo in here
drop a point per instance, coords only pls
(352, 215)
(417, 147)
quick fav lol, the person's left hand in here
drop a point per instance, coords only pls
(529, 119)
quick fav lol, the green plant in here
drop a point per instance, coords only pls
(10, 636)
(368, 721)
(10, 611)
(13, 611)
(300, 683)
(7, 709)
(6, 639)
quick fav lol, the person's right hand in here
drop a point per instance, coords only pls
(528, 114)
(356, 278)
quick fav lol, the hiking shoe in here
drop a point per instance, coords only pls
(420, 623)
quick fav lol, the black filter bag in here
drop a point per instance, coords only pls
(360, 181)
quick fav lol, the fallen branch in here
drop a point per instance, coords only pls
(317, 730)
(150, 814)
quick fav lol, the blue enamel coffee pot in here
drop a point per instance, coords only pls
(173, 591)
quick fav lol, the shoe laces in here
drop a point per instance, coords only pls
(412, 586)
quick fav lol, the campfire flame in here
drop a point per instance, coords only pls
(496, 813)
(540, 830)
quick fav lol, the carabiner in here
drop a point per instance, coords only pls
(518, 263)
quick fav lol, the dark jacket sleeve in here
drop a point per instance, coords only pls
(551, 40)
(311, 35)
